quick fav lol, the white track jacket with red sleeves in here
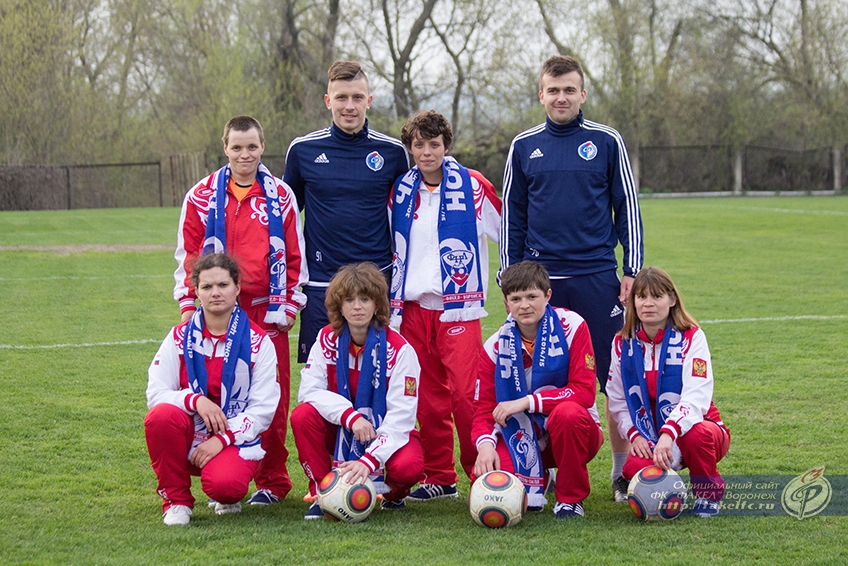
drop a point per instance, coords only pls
(318, 387)
(696, 396)
(167, 382)
(580, 388)
(247, 242)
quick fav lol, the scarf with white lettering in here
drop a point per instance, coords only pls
(669, 383)
(215, 240)
(236, 373)
(462, 284)
(550, 368)
(370, 398)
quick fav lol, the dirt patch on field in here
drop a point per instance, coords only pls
(67, 250)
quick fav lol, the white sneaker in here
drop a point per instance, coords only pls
(227, 508)
(177, 515)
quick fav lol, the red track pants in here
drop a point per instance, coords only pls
(169, 432)
(702, 448)
(273, 474)
(315, 439)
(575, 439)
(448, 353)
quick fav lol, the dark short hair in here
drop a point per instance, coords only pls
(210, 261)
(346, 71)
(559, 65)
(351, 281)
(427, 125)
(523, 276)
(242, 124)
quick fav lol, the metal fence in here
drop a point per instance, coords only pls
(687, 170)
(53, 187)
(769, 169)
(749, 170)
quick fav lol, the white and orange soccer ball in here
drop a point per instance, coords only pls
(497, 499)
(655, 494)
(344, 502)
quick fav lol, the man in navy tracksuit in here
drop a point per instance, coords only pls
(569, 198)
(342, 176)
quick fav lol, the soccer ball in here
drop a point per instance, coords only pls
(655, 493)
(341, 501)
(497, 499)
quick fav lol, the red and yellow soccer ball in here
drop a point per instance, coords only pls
(497, 499)
(344, 502)
(655, 494)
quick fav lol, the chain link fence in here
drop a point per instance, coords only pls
(679, 170)
(53, 187)
(686, 169)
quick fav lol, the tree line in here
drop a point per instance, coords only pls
(89, 81)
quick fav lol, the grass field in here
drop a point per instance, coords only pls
(87, 299)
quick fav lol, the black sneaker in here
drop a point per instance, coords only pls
(314, 512)
(432, 491)
(619, 490)
(392, 505)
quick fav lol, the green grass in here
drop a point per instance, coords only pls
(78, 487)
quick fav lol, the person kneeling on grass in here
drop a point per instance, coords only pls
(661, 359)
(535, 406)
(212, 390)
(359, 394)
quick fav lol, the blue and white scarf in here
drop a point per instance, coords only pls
(462, 284)
(236, 373)
(669, 383)
(370, 394)
(215, 239)
(550, 368)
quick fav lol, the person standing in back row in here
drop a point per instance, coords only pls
(342, 176)
(244, 210)
(441, 215)
(569, 199)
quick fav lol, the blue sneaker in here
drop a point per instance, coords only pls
(392, 505)
(705, 508)
(432, 491)
(263, 497)
(567, 510)
(314, 512)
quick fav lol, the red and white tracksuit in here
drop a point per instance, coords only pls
(444, 349)
(169, 425)
(694, 424)
(573, 425)
(247, 242)
(322, 410)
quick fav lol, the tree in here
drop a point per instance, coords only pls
(35, 97)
